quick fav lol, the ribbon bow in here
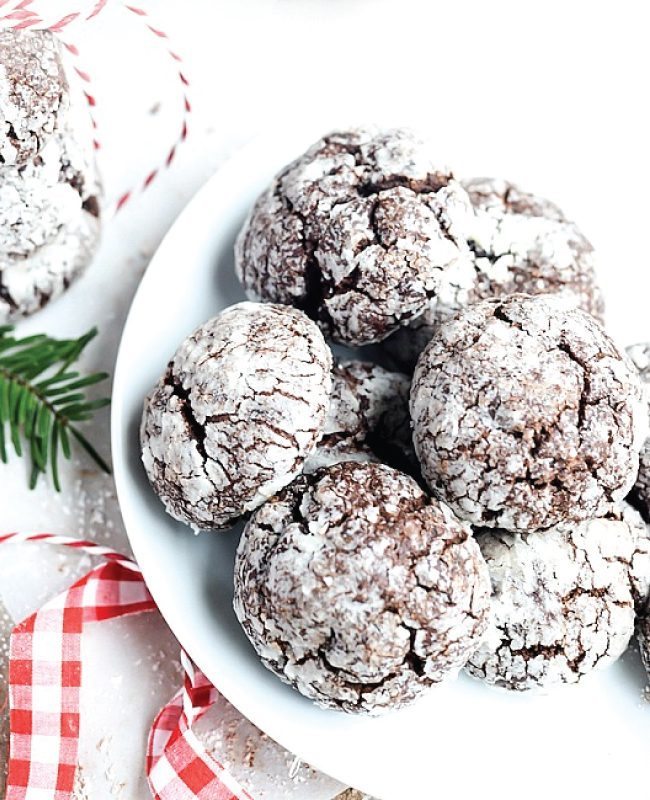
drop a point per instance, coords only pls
(45, 673)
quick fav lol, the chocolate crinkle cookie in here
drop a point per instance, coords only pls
(526, 415)
(239, 409)
(358, 589)
(33, 92)
(49, 206)
(368, 419)
(519, 243)
(363, 232)
(640, 495)
(563, 601)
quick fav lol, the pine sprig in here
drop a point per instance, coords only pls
(42, 400)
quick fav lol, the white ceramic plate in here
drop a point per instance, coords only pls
(461, 740)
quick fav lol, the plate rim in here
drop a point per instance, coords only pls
(120, 423)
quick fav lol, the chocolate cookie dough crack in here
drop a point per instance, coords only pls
(412, 661)
(346, 529)
(89, 203)
(195, 429)
(6, 296)
(312, 303)
(584, 404)
(577, 455)
(516, 243)
(563, 601)
(314, 238)
(548, 652)
(228, 433)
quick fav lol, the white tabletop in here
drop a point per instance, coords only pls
(555, 98)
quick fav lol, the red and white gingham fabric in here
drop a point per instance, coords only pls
(45, 673)
(176, 763)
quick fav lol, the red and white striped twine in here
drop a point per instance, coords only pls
(23, 14)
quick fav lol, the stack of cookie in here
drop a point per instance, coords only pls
(49, 191)
(468, 511)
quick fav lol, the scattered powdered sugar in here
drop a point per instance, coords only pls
(264, 768)
(238, 411)
(363, 232)
(526, 415)
(359, 590)
(563, 601)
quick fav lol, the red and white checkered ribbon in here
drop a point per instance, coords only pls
(58, 16)
(176, 759)
(45, 674)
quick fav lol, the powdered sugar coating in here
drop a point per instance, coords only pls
(368, 417)
(33, 92)
(519, 243)
(640, 495)
(27, 284)
(43, 197)
(362, 232)
(359, 590)
(526, 415)
(49, 211)
(240, 408)
(562, 601)
(524, 243)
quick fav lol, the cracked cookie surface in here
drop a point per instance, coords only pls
(563, 601)
(362, 232)
(368, 418)
(519, 243)
(238, 411)
(358, 589)
(33, 92)
(49, 215)
(640, 495)
(526, 415)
